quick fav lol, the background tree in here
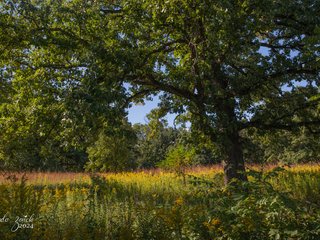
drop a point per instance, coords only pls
(156, 139)
(178, 159)
(150, 151)
(113, 149)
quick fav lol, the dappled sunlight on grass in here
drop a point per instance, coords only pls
(157, 204)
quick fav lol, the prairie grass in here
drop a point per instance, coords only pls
(277, 203)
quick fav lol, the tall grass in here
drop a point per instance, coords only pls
(275, 204)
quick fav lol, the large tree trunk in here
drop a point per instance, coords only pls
(234, 163)
(227, 126)
(229, 141)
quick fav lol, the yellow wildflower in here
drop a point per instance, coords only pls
(58, 193)
(179, 201)
(215, 222)
(84, 191)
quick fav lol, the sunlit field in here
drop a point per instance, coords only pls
(277, 203)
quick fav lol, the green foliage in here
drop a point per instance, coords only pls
(113, 150)
(156, 140)
(52, 105)
(206, 152)
(179, 157)
(152, 146)
(282, 146)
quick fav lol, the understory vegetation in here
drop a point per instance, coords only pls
(276, 203)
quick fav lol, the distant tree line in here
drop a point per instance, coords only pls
(40, 142)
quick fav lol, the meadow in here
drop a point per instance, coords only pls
(276, 203)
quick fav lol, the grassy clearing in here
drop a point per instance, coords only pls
(275, 204)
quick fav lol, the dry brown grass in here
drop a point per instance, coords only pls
(44, 178)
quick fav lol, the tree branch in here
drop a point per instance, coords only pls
(140, 94)
(289, 126)
(276, 124)
(150, 80)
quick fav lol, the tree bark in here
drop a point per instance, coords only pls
(233, 165)
(229, 142)
(228, 127)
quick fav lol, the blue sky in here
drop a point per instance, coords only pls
(137, 113)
